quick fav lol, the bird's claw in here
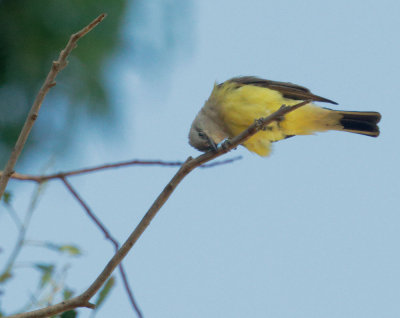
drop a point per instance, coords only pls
(226, 144)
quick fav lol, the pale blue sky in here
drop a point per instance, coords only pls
(311, 231)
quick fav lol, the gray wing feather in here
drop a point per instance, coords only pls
(288, 90)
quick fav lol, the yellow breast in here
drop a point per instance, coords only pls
(238, 107)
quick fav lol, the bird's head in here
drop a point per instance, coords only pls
(199, 139)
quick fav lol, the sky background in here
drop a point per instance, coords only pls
(311, 231)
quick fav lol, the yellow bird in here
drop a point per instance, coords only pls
(235, 104)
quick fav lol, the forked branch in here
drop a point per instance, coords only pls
(189, 165)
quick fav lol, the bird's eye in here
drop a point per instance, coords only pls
(201, 134)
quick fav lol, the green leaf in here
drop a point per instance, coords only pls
(69, 314)
(5, 276)
(105, 291)
(7, 196)
(47, 272)
(72, 250)
(67, 293)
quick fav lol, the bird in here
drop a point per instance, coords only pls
(236, 103)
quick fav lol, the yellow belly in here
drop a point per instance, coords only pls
(239, 107)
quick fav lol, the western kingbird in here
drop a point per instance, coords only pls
(235, 104)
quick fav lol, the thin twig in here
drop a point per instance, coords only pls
(60, 175)
(56, 67)
(109, 237)
(14, 216)
(184, 170)
(22, 232)
(221, 162)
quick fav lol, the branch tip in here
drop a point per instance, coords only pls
(56, 67)
(89, 305)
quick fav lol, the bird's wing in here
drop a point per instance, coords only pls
(288, 90)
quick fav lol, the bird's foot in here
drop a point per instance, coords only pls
(226, 144)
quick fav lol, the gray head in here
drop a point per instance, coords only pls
(207, 129)
(198, 137)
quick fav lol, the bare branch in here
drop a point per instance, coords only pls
(61, 175)
(183, 171)
(56, 67)
(108, 236)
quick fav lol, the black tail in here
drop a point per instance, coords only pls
(364, 123)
